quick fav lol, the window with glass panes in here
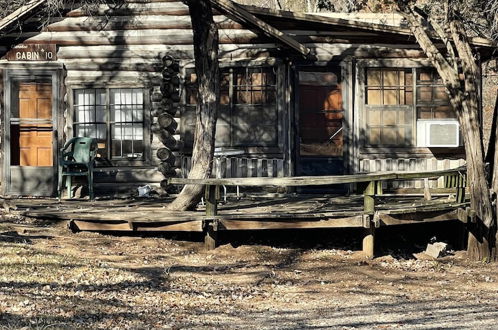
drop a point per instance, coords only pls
(432, 99)
(115, 117)
(247, 114)
(395, 100)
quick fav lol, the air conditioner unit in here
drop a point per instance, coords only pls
(438, 133)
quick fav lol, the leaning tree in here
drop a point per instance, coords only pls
(444, 30)
(205, 32)
(205, 37)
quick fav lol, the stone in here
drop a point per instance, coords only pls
(436, 250)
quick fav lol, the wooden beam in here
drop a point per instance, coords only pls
(19, 14)
(348, 23)
(315, 180)
(347, 222)
(237, 12)
(190, 226)
(100, 226)
(416, 217)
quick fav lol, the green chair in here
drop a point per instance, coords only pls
(78, 161)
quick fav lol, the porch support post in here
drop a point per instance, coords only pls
(211, 232)
(368, 244)
(369, 210)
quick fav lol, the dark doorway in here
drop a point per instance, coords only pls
(321, 115)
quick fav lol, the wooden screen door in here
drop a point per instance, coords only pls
(321, 114)
(35, 140)
(31, 134)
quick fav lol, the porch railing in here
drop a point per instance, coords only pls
(370, 185)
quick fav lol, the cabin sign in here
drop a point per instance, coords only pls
(32, 52)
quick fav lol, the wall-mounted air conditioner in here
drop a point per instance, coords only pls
(434, 133)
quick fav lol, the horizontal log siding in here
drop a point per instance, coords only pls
(409, 164)
(127, 51)
(102, 23)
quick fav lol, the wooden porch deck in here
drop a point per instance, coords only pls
(370, 210)
(248, 213)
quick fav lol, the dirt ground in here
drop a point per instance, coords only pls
(52, 278)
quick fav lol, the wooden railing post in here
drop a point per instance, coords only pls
(460, 190)
(369, 210)
(211, 197)
(211, 235)
(369, 198)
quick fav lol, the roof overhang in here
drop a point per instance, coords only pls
(347, 23)
(8, 22)
(239, 13)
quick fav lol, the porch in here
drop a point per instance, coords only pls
(368, 211)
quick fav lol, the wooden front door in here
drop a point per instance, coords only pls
(35, 140)
(321, 119)
(31, 165)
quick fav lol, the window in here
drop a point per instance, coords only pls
(394, 101)
(248, 113)
(432, 100)
(115, 117)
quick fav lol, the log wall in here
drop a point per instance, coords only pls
(125, 47)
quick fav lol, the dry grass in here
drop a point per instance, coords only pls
(53, 279)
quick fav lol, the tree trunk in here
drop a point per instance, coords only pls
(464, 98)
(481, 244)
(205, 34)
(493, 143)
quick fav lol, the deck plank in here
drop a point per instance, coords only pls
(249, 213)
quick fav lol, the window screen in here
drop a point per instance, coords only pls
(247, 114)
(389, 114)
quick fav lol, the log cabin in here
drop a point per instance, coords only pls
(300, 94)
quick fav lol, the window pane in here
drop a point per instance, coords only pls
(97, 131)
(373, 77)
(432, 99)
(390, 78)
(424, 113)
(125, 106)
(424, 94)
(374, 97)
(444, 112)
(424, 76)
(408, 97)
(440, 94)
(254, 86)
(408, 77)
(100, 97)
(127, 140)
(390, 97)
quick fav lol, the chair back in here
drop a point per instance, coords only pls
(84, 149)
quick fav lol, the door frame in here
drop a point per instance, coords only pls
(345, 67)
(26, 72)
